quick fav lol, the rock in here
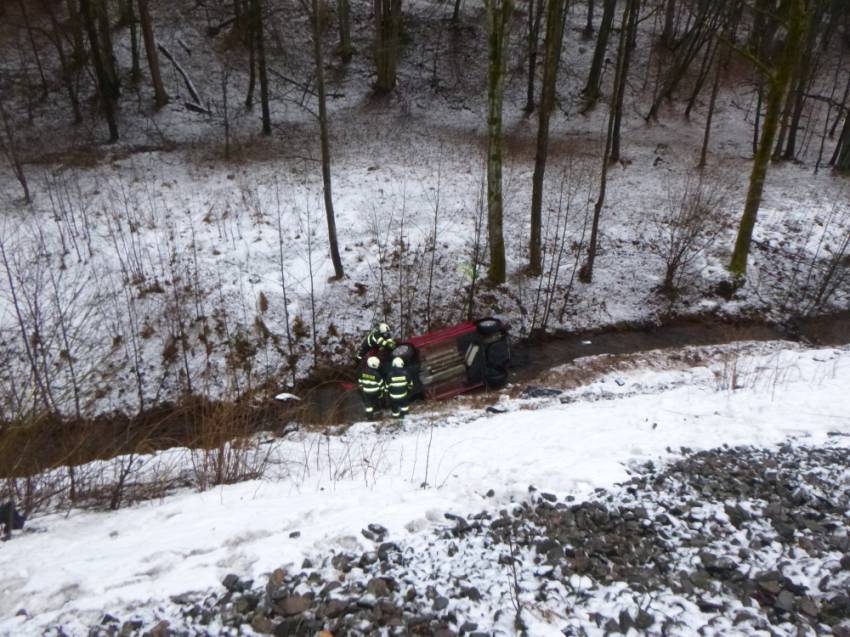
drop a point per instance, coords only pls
(770, 582)
(307, 563)
(386, 549)
(377, 529)
(644, 620)
(295, 534)
(809, 607)
(468, 627)
(471, 593)
(334, 608)
(490, 493)
(160, 630)
(785, 601)
(107, 619)
(378, 586)
(293, 627)
(293, 605)
(231, 583)
(533, 391)
(845, 562)
(441, 603)
(496, 409)
(129, 627)
(341, 562)
(262, 624)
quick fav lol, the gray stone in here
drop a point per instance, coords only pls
(468, 627)
(378, 586)
(262, 624)
(441, 603)
(785, 601)
(334, 608)
(231, 583)
(293, 605)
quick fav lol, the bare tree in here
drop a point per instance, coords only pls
(778, 78)
(9, 148)
(387, 28)
(555, 18)
(107, 87)
(498, 27)
(160, 96)
(257, 20)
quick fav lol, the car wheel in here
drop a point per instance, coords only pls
(488, 326)
(405, 352)
(496, 377)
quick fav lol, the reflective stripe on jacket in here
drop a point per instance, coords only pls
(370, 382)
(399, 384)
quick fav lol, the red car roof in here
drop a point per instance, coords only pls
(445, 334)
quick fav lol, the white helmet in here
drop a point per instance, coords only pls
(383, 328)
(398, 361)
(373, 362)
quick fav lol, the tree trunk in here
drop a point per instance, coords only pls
(101, 9)
(31, 37)
(591, 89)
(555, 16)
(252, 68)
(105, 87)
(668, 35)
(586, 272)
(135, 67)
(715, 88)
(841, 157)
(344, 20)
(160, 96)
(807, 74)
(75, 23)
(778, 81)
(498, 26)
(535, 13)
(387, 27)
(67, 80)
(630, 28)
(587, 33)
(10, 149)
(257, 31)
(323, 134)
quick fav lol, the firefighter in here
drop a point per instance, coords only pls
(399, 384)
(379, 338)
(371, 384)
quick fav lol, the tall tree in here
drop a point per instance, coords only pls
(65, 67)
(107, 89)
(160, 96)
(535, 14)
(591, 88)
(387, 28)
(586, 271)
(555, 17)
(777, 78)
(323, 137)
(343, 11)
(257, 20)
(623, 60)
(498, 14)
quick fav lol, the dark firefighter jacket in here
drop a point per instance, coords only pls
(399, 383)
(370, 382)
(374, 339)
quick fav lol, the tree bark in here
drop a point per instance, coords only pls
(555, 16)
(591, 88)
(630, 27)
(323, 135)
(498, 25)
(668, 35)
(586, 272)
(47, 5)
(346, 51)
(160, 96)
(257, 19)
(387, 27)
(535, 13)
(10, 149)
(106, 89)
(135, 66)
(31, 37)
(587, 33)
(778, 81)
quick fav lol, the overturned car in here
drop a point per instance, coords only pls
(458, 359)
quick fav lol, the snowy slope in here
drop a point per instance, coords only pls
(70, 568)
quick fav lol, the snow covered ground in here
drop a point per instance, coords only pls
(70, 568)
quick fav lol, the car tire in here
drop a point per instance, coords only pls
(406, 352)
(488, 326)
(495, 377)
